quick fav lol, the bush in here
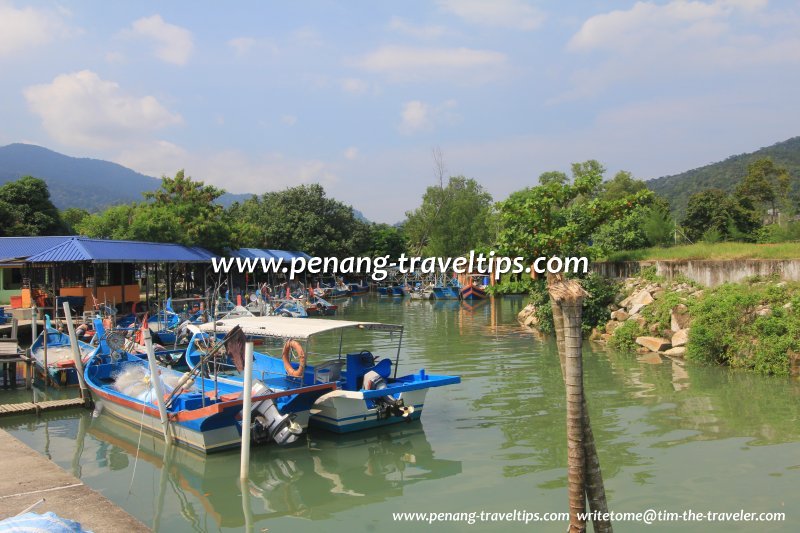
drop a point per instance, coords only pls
(727, 330)
(624, 337)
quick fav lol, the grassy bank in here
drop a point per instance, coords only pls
(702, 251)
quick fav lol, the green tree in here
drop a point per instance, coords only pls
(714, 212)
(181, 211)
(386, 240)
(559, 219)
(623, 184)
(452, 219)
(72, 218)
(766, 185)
(27, 210)
(299, 218)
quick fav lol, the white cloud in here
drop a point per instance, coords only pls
(401, 25)
(26, 27)
(355, 86)
(81, 109)
(173, 44)
(289, 120)
(410, 63)
(115, 58)
(242, 45)
(514, 14)
(418, 116)
(652, 41)
(351, 153)
(233, 170)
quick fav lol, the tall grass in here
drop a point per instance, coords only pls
(722, 250)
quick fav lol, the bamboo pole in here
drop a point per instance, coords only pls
(247, 406)
(156, 380)
(76, 354)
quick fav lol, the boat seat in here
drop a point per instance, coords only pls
(329, 371)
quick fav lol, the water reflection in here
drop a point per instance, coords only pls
(326, 475)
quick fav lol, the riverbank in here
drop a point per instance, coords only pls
(753, 324)
(29, 477)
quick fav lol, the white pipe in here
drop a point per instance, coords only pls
(35, 324)
(76, 350)
(155, 378)
(247, 406)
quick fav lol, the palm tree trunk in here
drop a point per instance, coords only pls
(566, 299)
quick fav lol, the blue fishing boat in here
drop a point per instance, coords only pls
(60, 367)
(357, 289)
(204, 414)
(368, 393)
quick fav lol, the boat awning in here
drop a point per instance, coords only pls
(291, 328)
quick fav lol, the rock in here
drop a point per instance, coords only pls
(595, 335)
(698, 294)
(639, 319)
(658, 293)
(527, 312)
(680, 338)
(605, 337)
(624, 303)
(654, 328)
(678, 351)
(611, 325)
(531, 321)
(787, 305)
(679, 317)
(654, 344)
(642, 297)
(619, 315)
(635, 309)
(612, 307)
(764, 311)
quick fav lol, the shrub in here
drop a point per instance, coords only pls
(624, 337)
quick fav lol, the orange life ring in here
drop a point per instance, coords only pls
(290, 345)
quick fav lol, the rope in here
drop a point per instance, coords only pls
(138, 445)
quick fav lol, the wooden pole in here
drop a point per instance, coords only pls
(247, 406)
(76, 353)
(44, 350)
(155, 379)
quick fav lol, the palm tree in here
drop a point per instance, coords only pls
(584, 474)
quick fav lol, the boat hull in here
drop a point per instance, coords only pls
(473, 293)
(342, 414)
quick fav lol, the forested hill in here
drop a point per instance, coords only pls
(726, 174)
(91, 184)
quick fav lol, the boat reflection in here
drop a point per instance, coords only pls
(326, 475)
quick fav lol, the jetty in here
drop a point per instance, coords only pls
(61, 492)
(25, 408)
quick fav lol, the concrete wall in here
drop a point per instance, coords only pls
(708, 273)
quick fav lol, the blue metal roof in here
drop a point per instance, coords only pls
(257, 253)
(108, 251)
(20, 248)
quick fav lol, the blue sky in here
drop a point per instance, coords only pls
(260, 96)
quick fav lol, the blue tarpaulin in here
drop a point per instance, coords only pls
(49, 522)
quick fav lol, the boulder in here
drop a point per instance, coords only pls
(654, 344)
(625, 302)
(639, 319)
(619, 315)
(677, 351)
(611, 325)
(636, 308)
(642, 297)
(698, 294)
(595, 336)
(679, 317)
(658, 293)
(680, 337)
(764, 311)
(531, 321)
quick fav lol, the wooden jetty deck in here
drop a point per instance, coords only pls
(12, 409)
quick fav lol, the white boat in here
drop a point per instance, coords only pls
(368, 391)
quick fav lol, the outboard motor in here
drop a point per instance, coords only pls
(386, 405)
(269, 423)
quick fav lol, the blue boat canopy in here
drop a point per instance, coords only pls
(77, 249)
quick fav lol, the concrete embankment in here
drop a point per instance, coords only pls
(29, 477)
(708, 273)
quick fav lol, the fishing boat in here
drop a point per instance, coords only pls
(60, 368)
(368, 393)
(203, 413)
(357, 289)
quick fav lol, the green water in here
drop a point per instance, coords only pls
(670, 437)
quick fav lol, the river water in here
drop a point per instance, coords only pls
(670, 436)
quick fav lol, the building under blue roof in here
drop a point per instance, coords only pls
(17, 249)
(109, 251)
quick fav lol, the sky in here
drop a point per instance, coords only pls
(260, 96)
